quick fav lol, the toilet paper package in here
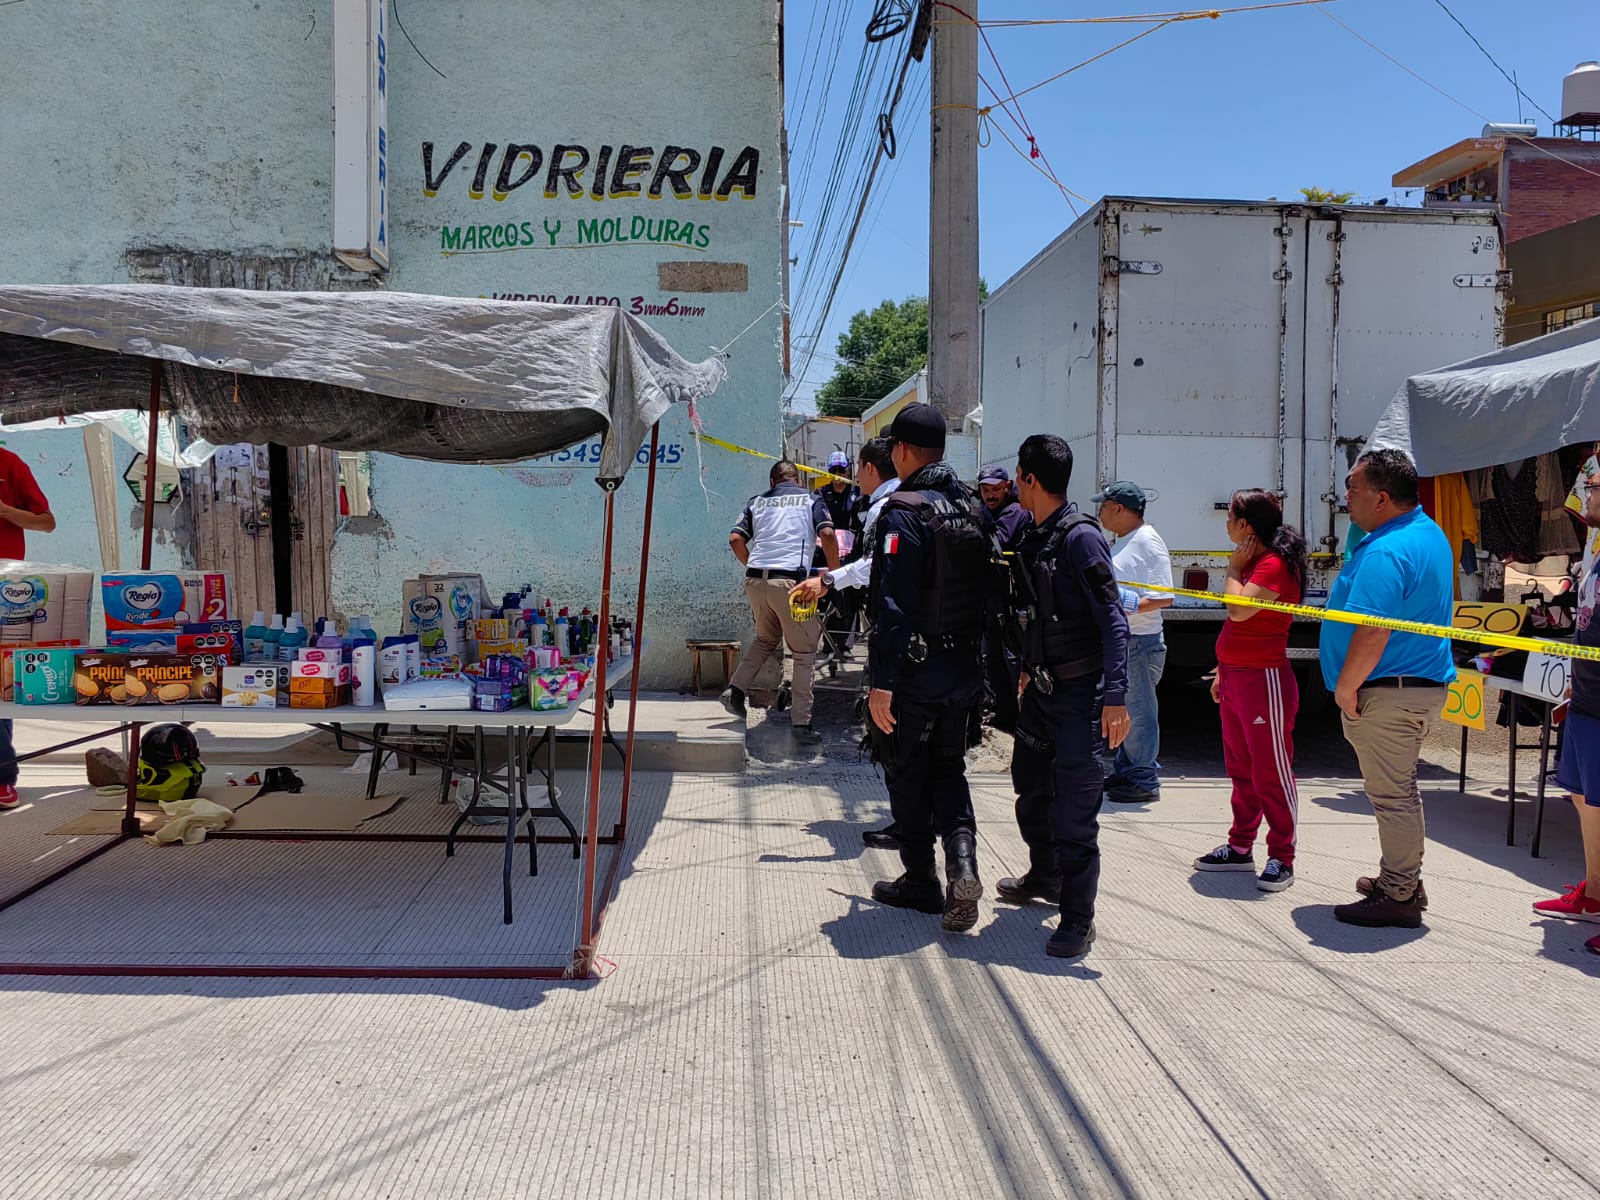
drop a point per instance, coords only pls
(163, 600)
(43, 602)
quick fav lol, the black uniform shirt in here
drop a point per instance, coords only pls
(1083, 548)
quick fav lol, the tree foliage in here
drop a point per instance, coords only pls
(882, 348)
(1316, 195)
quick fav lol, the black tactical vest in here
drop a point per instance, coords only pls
(955, 584)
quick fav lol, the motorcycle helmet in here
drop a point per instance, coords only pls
(166, 745)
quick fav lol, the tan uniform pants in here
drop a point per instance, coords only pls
(1387, 740)
(769, 605)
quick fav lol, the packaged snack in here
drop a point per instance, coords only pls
(147, 679)
(250, 686)
(44, 676)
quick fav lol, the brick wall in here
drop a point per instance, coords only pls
(1544, 193)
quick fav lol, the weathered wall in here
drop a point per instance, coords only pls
(696, 74)
(137, 135)
(130, 126)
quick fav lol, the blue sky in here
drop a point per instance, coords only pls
(1248, 106)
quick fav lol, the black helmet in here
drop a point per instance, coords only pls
(165, 745)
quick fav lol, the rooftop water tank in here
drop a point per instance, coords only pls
(1580, 95)
(1510, 129)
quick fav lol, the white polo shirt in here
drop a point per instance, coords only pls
(781, 527)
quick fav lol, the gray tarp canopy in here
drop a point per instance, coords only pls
(423, 376)
(1502, 407)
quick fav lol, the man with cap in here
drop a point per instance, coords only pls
(839, 494)
(1011, 520)
(931, 563)
(1139, 556)
(1000, 668)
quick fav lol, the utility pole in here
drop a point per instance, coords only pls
(953, 350)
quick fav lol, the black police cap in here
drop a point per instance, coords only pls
(919, 425)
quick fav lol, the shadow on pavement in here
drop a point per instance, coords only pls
(1316, 921)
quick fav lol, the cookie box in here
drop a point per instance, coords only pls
(251, 686)
(44, 676)
(148, 679)
(8, 655)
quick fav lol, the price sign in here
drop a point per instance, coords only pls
(1547, 676)
(1489, 616)
(1463, 703)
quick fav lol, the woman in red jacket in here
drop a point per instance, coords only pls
(1256, 689)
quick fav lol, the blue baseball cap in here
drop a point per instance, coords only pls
(996, 474)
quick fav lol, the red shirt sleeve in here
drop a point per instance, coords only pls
(1271, 572)
(25, 489)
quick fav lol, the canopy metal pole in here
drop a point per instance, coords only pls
(638, 629)
(150, 464)
(583, 957)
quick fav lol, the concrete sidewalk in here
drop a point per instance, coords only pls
(769, 1031)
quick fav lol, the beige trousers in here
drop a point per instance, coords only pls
(1387, 740)
(769, 605)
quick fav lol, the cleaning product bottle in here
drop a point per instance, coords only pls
(413, 656)
(561, 635)
(363, 672)
(329, 638)
(392, 661)
(294, 636)
(537, 629)
(270, 639)
(255, 638)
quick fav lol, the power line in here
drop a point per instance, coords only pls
(861, 207)
(1546, 151)
(1517, 87)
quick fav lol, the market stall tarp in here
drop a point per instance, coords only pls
(1511, 404)
(435, 377)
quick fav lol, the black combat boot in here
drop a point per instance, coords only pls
(961, 870)
(918, 888)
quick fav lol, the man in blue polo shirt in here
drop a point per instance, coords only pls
(1390, 686)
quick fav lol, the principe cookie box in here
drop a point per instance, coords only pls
(148, 679)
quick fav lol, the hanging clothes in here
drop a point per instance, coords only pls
(1458, 518)
(1509, 515)
(1557, 533)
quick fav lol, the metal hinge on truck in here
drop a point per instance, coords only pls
(1500, 281)
(1131, 266)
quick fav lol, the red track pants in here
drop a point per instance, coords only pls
(1258, 710)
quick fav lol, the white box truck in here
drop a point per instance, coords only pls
(1199, 346)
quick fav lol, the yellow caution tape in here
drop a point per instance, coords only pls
(737, 449)
(1478, 637)
(801, 609)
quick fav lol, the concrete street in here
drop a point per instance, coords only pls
(767, 1030)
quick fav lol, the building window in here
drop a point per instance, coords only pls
(1560, 318)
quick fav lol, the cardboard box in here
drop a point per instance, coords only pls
(334, 697)
(8, 681)
(514, 648)
(322, 654)
(251, 687)
(278, 674)
(197, 637)
(105, 677)
(45, 676)
(163, 600)
(491, 629)
(327, 672)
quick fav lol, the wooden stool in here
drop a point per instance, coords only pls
(698, 646)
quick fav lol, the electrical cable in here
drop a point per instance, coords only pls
(1515, 85)
(1459, 103)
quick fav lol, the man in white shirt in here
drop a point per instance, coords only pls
(1139, 556)
(774, 539)
(876, 476)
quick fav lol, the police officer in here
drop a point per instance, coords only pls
(931, 563)
(1009, 521)
(1071, 634)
